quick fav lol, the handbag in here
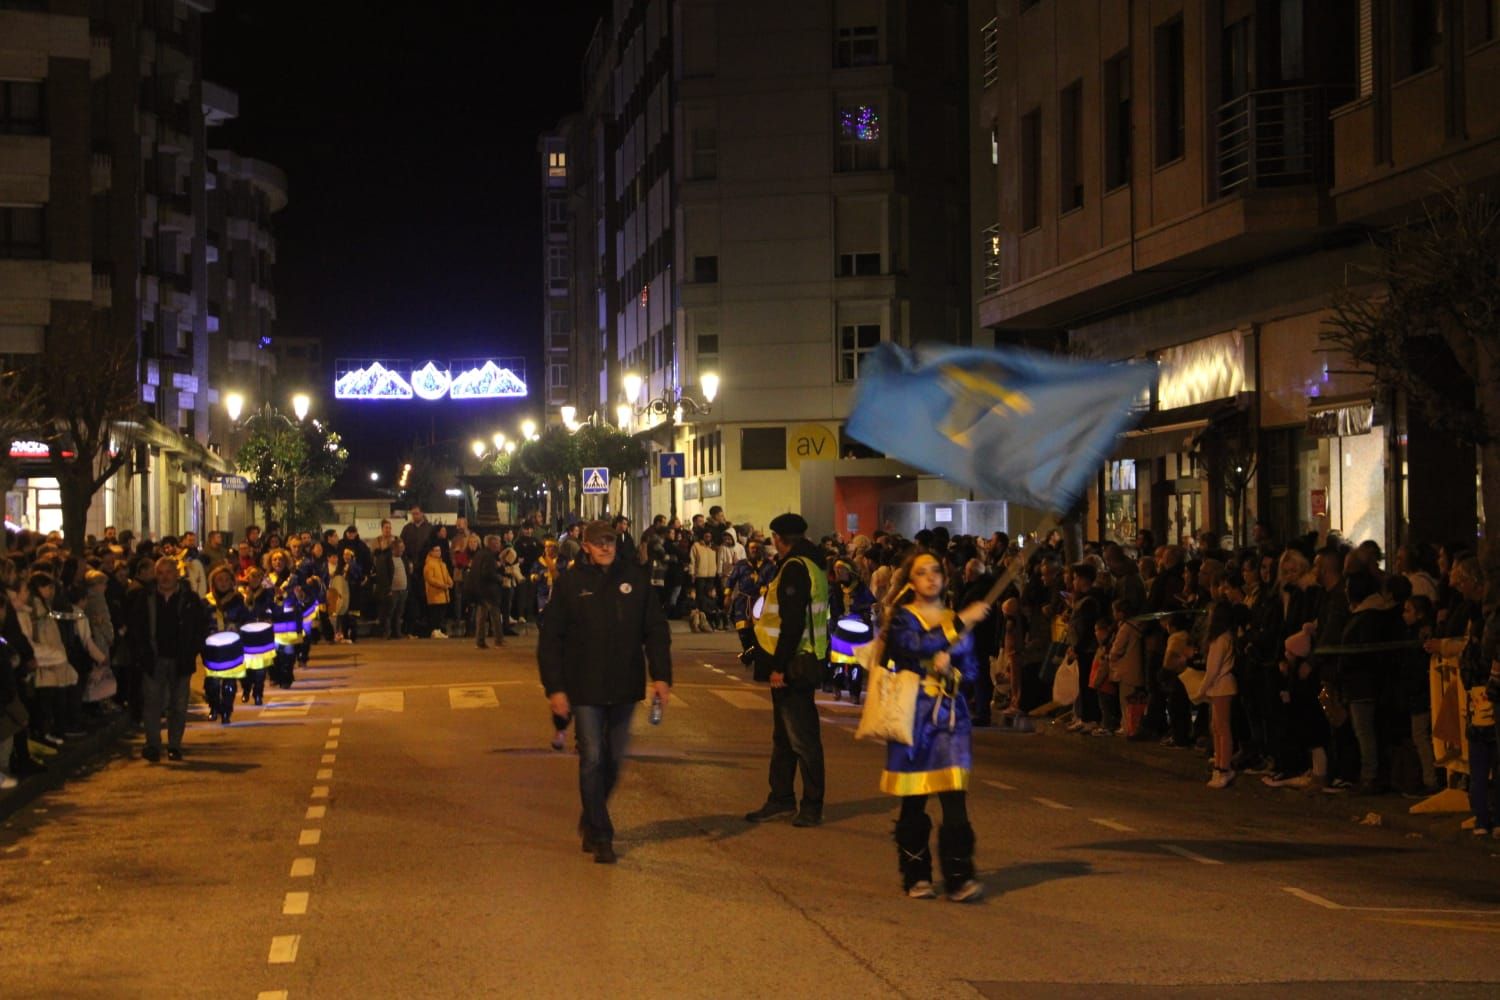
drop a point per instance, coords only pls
(102, 684)
(1192, 680)
(890, 709)
(1134, 713)
(1065, 681)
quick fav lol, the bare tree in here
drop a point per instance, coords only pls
(1432, 328)
(20, 417)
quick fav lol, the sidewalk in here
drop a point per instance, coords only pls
(1389, 810)
(72, 760)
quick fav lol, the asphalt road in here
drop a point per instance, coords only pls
(397, 826)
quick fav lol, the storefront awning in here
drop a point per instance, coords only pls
(1347, 420)
(1170, 432)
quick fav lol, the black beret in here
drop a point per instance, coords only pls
(789, 524)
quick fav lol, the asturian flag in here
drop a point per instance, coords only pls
(1007, 423)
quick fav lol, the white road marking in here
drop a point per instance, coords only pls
(316, 812)
(1183, 852)
(1000, 785)
(676, 701)
(330, 744)
(295, 904)
(284, 949)
(1050, 803)
(327, 758)
(304, 867)
(381, 701)
(338, 721)
(472, 697)
(320, 791)
(324, 774)
(288, 709)
(271, 995)
(745, 699)
(307, 838)
(1110, 824)
(1329, 904)
(333, 731)
(1308, 897)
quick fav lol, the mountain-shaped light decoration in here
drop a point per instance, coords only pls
(430, 381)
(489, 381)
(375, 381)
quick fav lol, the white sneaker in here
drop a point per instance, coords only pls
(438, 633)
(921, 890)
(1221, 779)
(6, 781)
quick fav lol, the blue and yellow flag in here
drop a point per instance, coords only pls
(1007, 423)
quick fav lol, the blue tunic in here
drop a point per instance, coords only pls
(941, 754)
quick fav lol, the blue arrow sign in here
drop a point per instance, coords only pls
(595, 481)
(673, 464)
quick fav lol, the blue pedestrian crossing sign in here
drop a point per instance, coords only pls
(673, 464)
(595, 481)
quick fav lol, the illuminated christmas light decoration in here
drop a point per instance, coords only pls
(431, 382)
(861, 123)
(488, 381)
(374, 381)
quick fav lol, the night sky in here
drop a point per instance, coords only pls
(409, 142)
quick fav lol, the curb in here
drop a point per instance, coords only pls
(1390, 808)
(65, 764)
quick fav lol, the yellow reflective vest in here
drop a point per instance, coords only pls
(815, 628)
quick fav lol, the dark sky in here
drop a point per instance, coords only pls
(408, 133)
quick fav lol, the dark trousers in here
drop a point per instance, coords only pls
(603, 735)
(253, 684)
(437, 614)
(796, 741)
(219, 692)
(165, 688)
(1482, 761)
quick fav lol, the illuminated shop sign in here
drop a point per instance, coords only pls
(465, 378)
(29, 449)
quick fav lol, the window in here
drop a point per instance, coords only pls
(557, 267)
(1117, 121)
(557, 164)
(22, 231)
(705, 154)
(1070, 147)
(856, 341)
(1418, 31)
(1031, 170)
(557, 375)
(21, 108)
(860, 138)
(857, 46)
(858, 265)
(1171, 114)
(705, 270)
(762, 448)
(557, 211)
(708, 352)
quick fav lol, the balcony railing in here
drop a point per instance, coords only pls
(990, 43)
(1273, 138)
(989, 251)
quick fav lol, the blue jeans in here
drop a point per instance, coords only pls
(603, 734)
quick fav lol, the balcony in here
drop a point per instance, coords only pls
(989, 252)
(990, 46)
(1273, 138)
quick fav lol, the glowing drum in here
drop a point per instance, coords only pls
(757, 608)
(286, 626)
(847, 635)
(260, 644)
(223, 653)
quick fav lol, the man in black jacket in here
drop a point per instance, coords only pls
(603, 630)
(166, 628)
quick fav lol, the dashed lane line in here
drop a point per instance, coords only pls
(304, 867)
(1000, 785)
(295, 904)
(327, 758)
(320, 792)
(316, 812)
(309, 838)
(1183, 852)
(271, 995)
(324, 774)
(1051, 803)
(1328, 904)
(330, 744)
(284, 949)
(1110, 824)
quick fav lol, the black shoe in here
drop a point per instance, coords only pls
(481, 644)
(174, 754)
(769, 811)
(808, 817)
(151, 754)
(511, 631)
(604, 853)
(259, 700)
(224, 719)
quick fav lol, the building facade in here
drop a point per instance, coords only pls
(104, 200)
(1191, 182)
(764, 191)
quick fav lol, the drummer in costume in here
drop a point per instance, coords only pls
(260, 595)
(228, 612)
(848, 597)
(746, 583)
(923, 636)
(286, 615)
(310, 591)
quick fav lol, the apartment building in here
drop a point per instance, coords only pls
(765, 191)
(1190, 182)
(104, 182)
(558, 269)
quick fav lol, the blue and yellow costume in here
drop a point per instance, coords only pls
(941, 755)
(260, 604)
(747, 581)
(229, 612)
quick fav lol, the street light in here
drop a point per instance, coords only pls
(479, 447)
(528, 429)
(568, 414)
(673, 404)
(510, 447)
(234, 405)
(499, 440)
(301, 403)
(374, 477)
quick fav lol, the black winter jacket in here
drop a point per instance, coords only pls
(603, 629)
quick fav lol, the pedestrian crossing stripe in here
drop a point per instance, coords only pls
(472, 697)
(381, 701)
(294, 709)
(745, 699)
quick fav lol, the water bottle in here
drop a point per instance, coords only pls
(656, 710)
